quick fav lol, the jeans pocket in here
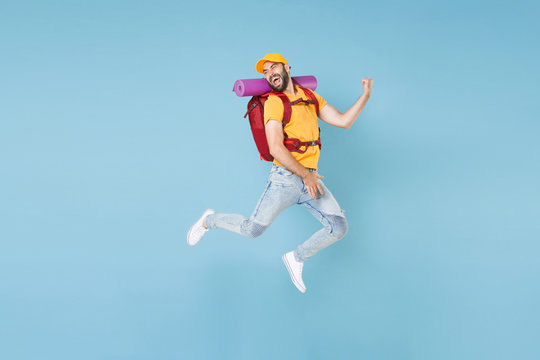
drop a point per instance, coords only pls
(284, 172)
(282, 180)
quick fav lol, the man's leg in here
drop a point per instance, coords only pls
(280, 193)
(327, 210)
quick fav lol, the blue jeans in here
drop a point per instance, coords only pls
(283, 190)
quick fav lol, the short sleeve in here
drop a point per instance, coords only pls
(273, 109)
(322, 102)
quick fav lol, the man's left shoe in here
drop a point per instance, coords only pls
(197, 231)
(295, 270)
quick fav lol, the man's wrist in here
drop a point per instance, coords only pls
(305, 173)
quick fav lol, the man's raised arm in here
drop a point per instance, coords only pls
(332, 116)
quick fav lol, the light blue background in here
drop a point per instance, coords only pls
(119, 127)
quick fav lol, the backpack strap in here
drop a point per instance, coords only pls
(287, 109)
(313, 99)
(296, 145)
(311, 96)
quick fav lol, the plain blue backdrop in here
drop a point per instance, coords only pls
(118, 127)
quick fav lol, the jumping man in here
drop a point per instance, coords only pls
(294, 177)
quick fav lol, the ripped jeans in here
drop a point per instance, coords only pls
(283, 190)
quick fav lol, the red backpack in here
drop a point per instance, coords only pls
(256, 121)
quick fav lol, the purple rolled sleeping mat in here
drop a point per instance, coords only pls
(252, 87)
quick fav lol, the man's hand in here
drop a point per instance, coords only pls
(367, 83)
(312, 184)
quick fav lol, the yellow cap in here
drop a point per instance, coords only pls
(278, 58)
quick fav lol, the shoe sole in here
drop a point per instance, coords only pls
(289, 269)
(189, 234)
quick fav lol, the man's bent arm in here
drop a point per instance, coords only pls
(274, 135)
(332, 116)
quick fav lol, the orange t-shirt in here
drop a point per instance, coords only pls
(303, 125)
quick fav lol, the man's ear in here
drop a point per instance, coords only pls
(288, 68)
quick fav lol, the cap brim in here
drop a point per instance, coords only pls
(259, 66)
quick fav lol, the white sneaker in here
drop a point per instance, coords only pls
(197, 231)
(295, 270)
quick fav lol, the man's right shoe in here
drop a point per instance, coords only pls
(197, 231)
(295, 270)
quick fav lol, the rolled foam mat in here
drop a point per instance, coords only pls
(252, 87)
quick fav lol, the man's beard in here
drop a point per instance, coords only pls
(284, 81)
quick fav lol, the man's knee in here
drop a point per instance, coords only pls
(252, 229)
(338, 226)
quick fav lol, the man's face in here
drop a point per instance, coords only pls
(277, 76)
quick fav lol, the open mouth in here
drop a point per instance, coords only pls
(276, 80)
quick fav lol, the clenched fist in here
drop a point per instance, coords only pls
(367, 83)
